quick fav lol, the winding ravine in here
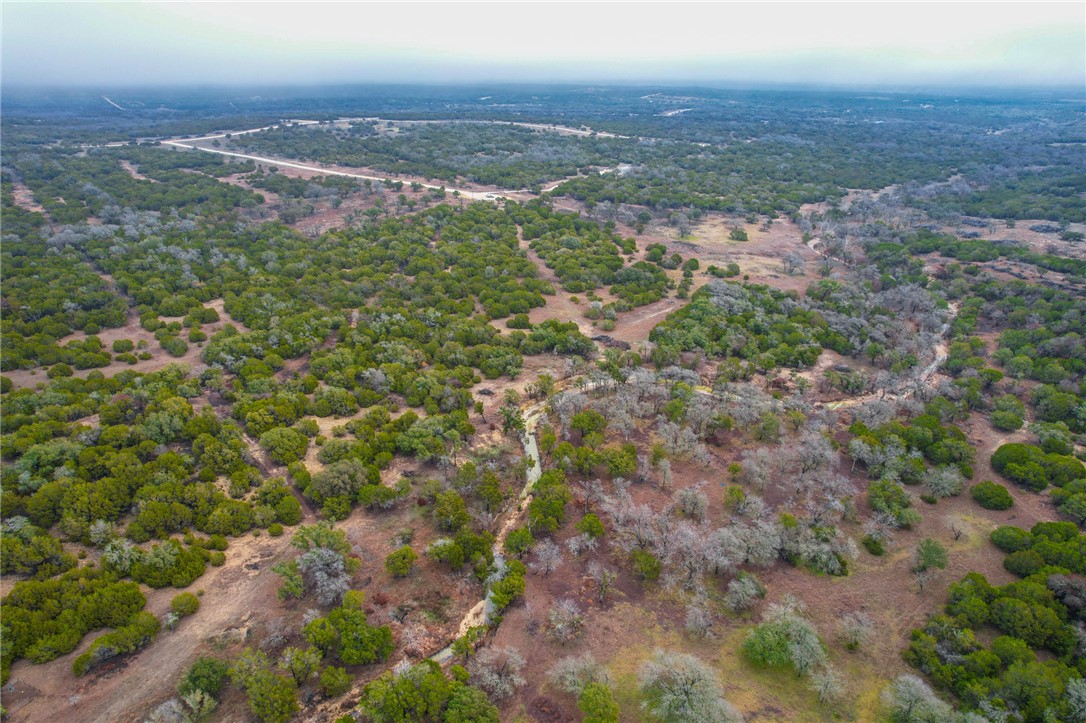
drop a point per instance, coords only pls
(482, 612)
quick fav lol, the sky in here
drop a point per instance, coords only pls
(103, 44)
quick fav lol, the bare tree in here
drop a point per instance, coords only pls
(693, 502)
(793, 261)
(574, 672)
(828, 684)
(564, 620)
(497, 671)
(855, 629)
(699, 622)
(743, 592)
(681, 687)
(603, 577)
(548, 556)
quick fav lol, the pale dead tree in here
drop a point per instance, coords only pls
(700, 411)
(591, 492)
(827, 496)
(325, 572)
(622, 421)
(855, 629)
(603, 577)
(680, 687)
(664, 526)
(679, 441)
(635, 527)
(758, 467)
(812, 453)
(944, 481)
(743, 592)
(874, 412)
(721, 551)
(663, 469)
(760, 542)
(880, 529)
(682, 224)
(793, 261)
(828, 684)
(548, 556)
(752, 507)
(573, 673)
(685, 557)
(699, 621)
(564, 405)
(693, 502)
(582, 543)
(600, 381)
(564, 621)
(702, 456)
(497, 671)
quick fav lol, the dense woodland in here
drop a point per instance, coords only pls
(186, 373)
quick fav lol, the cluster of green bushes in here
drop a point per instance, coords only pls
(48, 296)
(1035, 469)
(423, 692)
(753, 323)
(1046, 544)
(74, 187)
(126, 639)
(1035, 614)
(992, 496)
(897, 450)
(346, 634)
(44, 619)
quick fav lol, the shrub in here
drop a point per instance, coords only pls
(185, 604)
(1011, 539)
(142, 630)
(992, 496)
(59, 370)
(206, 674)
(400, 562)
(1023, 563)
(518, 541)
(335, 681)
(597, 704)
(1006, 421)
(874, 545)
(645, 564)
(590, 525)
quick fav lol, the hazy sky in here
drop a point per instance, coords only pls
(874, 43)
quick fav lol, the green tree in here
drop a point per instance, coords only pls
(284, 445)
(400, 562)
(450, 512)
(299, 663)
(930, 556)
(597, 704)
(334, 681)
